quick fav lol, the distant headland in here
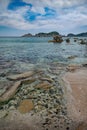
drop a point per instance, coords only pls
(54, 33)
(42, 34)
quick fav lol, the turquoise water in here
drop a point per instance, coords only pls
(19, 53)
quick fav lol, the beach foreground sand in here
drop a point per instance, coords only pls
(77, 97)
(72, 116)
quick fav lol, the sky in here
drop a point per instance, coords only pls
(18, 17)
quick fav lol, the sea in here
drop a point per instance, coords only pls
(18, 54)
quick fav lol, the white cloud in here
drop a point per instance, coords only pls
(64, 20)
(4, 4)
(55, 4)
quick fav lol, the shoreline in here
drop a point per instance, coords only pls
(49, 86)
(76, 85)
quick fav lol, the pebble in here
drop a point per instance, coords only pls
(3, 113)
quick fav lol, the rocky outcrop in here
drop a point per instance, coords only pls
(57, 39)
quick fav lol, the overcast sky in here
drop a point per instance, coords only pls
(18, 17)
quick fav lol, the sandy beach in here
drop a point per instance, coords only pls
(77, 97)
(65, 106)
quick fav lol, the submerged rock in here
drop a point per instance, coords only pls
(20, 76)
(73, 67)
(11, 92)
(72, 57)
(28, 81)
(68, 40)
(26, 106)
(47, 79)
(43, 85)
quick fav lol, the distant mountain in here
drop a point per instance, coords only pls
(27, 35)
(70, 35)
(54, 33)
(47, 34)
(82, 34)
(50, 34)
(78, 35)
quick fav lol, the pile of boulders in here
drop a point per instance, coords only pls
(57, 39)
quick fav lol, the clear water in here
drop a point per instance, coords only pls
(25, 51)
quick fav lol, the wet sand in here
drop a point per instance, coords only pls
(76, 89)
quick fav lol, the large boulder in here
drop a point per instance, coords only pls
(57, 39)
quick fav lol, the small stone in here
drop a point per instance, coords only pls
(13, 102)
(12, 108)
(3, 113)
(51, 91)
(25, 91)
(46, 105)
(39, 103)
(67, 128)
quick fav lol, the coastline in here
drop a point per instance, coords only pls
(34, 94)
(76, 85)
(46, 117)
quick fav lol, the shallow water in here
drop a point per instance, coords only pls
(19, 54)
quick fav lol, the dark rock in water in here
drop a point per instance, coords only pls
(75, 40)
(72, 57)
(83, 41)
(57, 39)
(68, 40)
(84, 65)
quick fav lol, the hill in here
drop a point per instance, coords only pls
(77, 35)
(42, 34)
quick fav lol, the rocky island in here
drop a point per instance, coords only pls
(42, 34)
(77, 35)
(54, 33)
